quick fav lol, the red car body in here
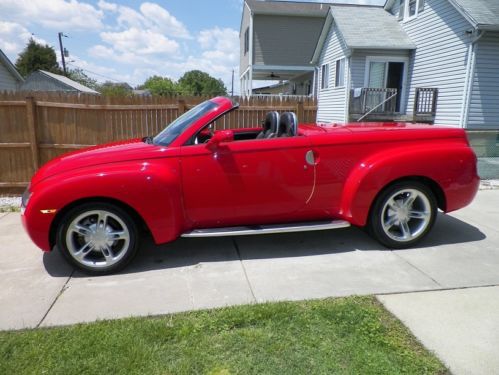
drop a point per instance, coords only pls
(180, 187)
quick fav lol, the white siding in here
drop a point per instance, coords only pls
(244, 57)
(440, 60)
(331, 101)
(7, 80)
(484, 103)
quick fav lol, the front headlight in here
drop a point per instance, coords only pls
(25, 199)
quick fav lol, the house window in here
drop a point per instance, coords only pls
(246, 41)
(325, 76)
(339, 80)
(410, 9)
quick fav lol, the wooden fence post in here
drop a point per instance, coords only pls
(300, 111)
(31, 119)
(181, 106)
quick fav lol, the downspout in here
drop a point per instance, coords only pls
(348, 87)
(468, 82)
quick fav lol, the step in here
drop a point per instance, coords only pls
(267, 229)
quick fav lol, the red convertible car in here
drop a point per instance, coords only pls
(191, 181)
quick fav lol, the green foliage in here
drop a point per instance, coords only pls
(79, 76)
(335, 336)
(197, 82)
(37, 56)
(114, 89)
(162, 86)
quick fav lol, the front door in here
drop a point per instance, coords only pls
(246, 182)
(386, 75)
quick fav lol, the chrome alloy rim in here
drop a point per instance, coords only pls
(406, 215)
(97, 239)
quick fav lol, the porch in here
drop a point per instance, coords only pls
(384, 104)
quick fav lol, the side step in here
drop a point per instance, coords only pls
(267, 229)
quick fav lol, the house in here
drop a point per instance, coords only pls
(422, 60)
(10, 79)
(46, 81)
(277, 41)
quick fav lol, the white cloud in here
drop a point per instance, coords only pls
(160, 19)
(14, 37)
(142, 42)
(104, 5)
(54, 14)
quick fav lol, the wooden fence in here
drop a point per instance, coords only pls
(36, 127)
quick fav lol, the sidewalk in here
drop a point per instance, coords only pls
(461, 252)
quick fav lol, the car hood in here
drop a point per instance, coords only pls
(116, 152)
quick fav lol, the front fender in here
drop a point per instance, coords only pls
(451, 166)
(151, 188)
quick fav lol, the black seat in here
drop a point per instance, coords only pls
(288, 125)
(269, 126)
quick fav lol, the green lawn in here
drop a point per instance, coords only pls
(353, 335)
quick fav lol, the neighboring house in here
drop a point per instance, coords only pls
(10, 79)
(46, 81)
(450, 74)
(422, 60)
(277, 41)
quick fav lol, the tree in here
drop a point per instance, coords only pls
(37, 56)
(114, 89)
(197, 82)
(160, 86)
(79, 76)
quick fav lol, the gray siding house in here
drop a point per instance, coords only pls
(277, 41)
(10, 79)
(426, 60)
(46, 81)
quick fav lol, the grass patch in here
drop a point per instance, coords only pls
(10, 209)
(354, 335)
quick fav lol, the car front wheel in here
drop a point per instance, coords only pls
(403, 214)
(98, 238)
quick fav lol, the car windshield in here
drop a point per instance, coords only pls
(177, 127)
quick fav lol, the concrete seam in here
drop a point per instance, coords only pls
(437, 290)
(417, 268)
(55, 299)
(244, 269)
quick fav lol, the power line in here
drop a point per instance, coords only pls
(97, 74)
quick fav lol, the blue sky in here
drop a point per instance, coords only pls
(129, 41)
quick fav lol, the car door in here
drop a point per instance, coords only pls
(246, 182)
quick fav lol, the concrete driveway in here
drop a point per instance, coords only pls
(41, 290)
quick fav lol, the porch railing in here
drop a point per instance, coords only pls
(425, 101)
(375, 101)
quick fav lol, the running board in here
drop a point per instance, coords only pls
(267, 229)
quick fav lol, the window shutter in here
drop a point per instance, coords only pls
(421, 5)
(402, 9)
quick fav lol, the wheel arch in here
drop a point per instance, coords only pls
(141, 223)
(434, 187)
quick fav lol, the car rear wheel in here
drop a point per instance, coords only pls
(403, 214)
(98, 238)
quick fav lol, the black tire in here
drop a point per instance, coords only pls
(393, 221)
(98, 238)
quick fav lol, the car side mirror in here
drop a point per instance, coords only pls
(219, 137)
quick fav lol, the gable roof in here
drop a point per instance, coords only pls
(365, 27)
(482, 14)
(69, 82)
(10, 67)
(288, 8)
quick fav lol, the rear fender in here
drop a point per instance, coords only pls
(451, 166)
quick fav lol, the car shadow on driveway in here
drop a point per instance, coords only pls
(186, 252)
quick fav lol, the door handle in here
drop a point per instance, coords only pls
(310, 157)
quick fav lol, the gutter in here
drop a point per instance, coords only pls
(470, 73)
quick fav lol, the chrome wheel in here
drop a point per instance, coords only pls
(406, 215)
(97, 239)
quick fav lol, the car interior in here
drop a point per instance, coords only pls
(274, 125)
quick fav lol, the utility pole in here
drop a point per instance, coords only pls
(63, 51)
(232, 90)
